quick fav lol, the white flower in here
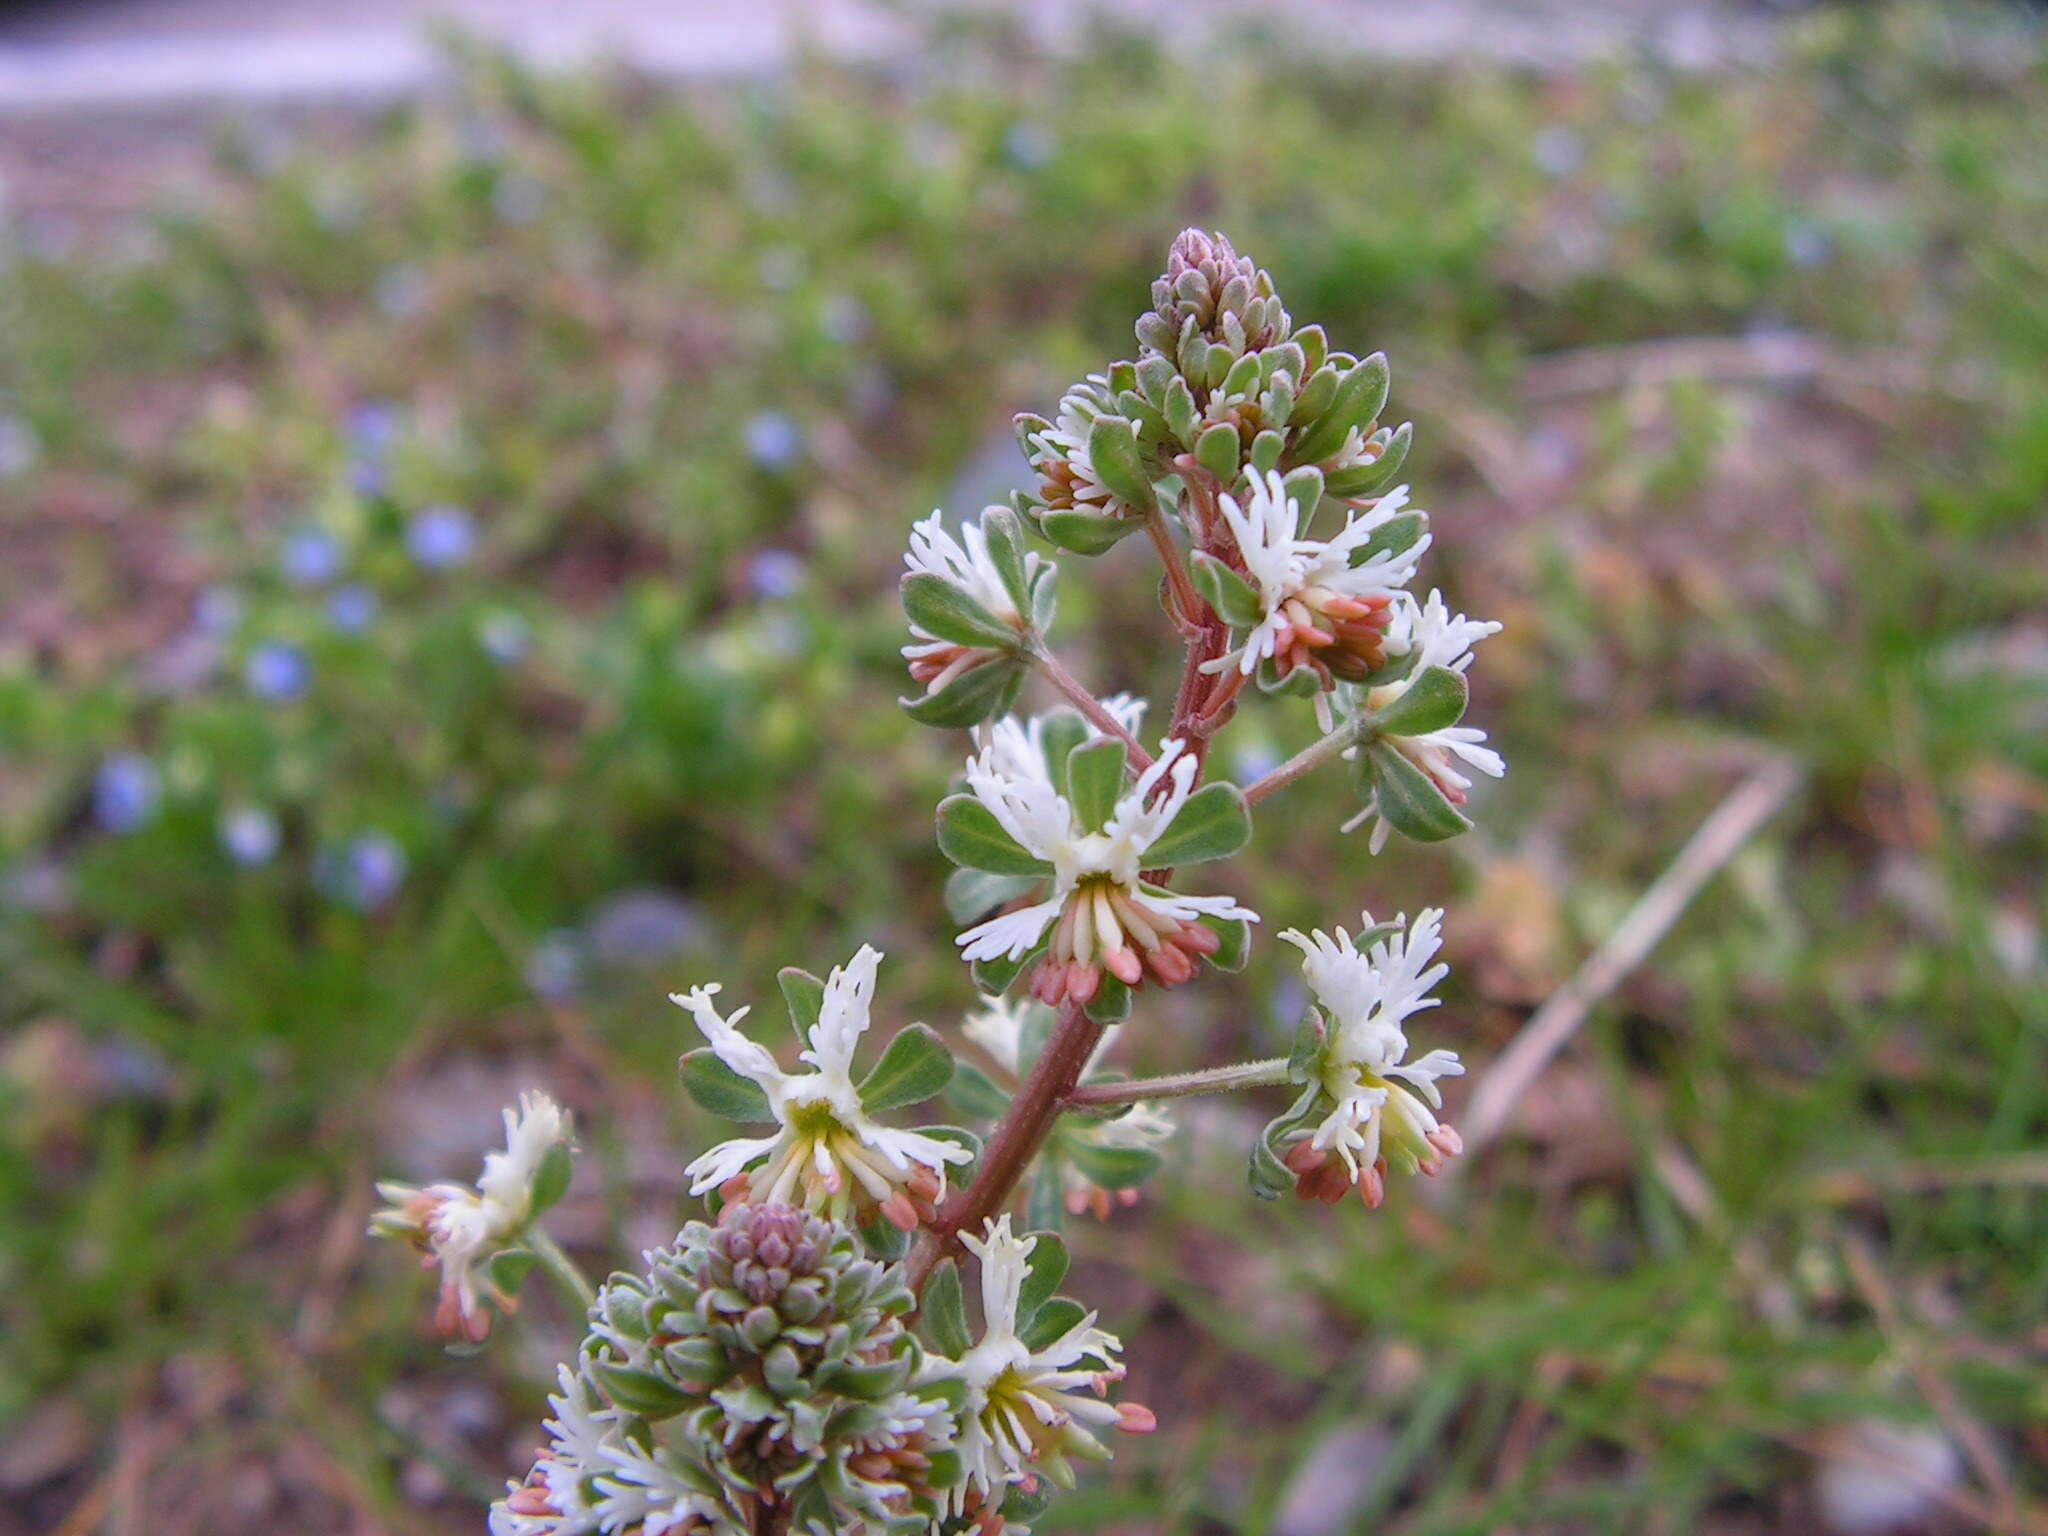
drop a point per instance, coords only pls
(1435, 638)
(460, 1230)
(1371, 1119)
(964, 563)
(1319, 610)
(826, 1145)
(1029, 1409)
(1101, 914)
(1060, 452)
(552, 1501)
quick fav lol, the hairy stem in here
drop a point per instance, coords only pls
(1015, 1140)
(1180, 1085)
(1054, 672)
(1309, 757)
(561, 1269)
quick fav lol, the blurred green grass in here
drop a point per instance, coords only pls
(1729, 399)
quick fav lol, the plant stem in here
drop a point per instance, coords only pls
(1099, 716)
(561, 1269)
(1188, 604)
(1309, 757)
(1015, 1140)
(1180, 1085)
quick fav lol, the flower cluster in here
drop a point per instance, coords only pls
(472, 1235)
(828, 1152)
(806, 1363)
(1364, 1109)
(1069, 821)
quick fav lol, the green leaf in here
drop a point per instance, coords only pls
(1095, 780)
(1216, 450)
(1060, 730)
(1052, 1322)
(803, 994)
(551, 1178)
(1304, 487)
(1113, 1167)
(972, 893)
(1236, 935)
(916, 1066)
(944, 1310)
(1359, 396)
(1111, 1003)
(1243, 377)
(970, 835)
(1266, 448)
(976, 1093)
(1180, 412)
(1233, 598)
(1396, 534)
(1307, 1048)
(722, 1091)
(1043, 1272)
(1086, 533)
(1113, 451)
(1004, 534)
(1214, 824)
(1314, 397)
(1266, 1174)
(994, 976)
(970, 698)
(941, 609)
(509, 1266)
(1045, 1208)
(1434, 700)
(1409, 799)
(641, 1392)
(884, 1240)
(1044, 598)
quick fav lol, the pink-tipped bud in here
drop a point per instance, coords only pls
(1083, 982)
(1372, 1186)
(1202, 940)
(1125, 965)
(1136, 1419)
(899, 1212)
(1446, 1141)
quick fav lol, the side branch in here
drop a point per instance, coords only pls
(1309, 757)
(1097, 715)
(1180, 1085)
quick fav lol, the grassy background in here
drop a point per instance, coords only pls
(1729, 401)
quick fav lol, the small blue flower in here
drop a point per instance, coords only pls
(372, 428)
(19, 446)
(1558, 151)
(505, 637)
(775, 573)
(441, 536)
(773, 440)
(843, 318)
(556, 965)
(250, 835)
(368, 477)
(277, 671)
(1807, 245)
(311, 557)
(1028, 145)
(352, 609)
(217, 610)
(1253, 759)
(124, 792)
(373, 868)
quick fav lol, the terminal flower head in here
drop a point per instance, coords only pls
(1371, 1113)
(828, 1153)
(459, 1229)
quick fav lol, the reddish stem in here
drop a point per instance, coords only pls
(1015, 1141)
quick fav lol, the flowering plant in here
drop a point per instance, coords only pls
(805, 1359)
